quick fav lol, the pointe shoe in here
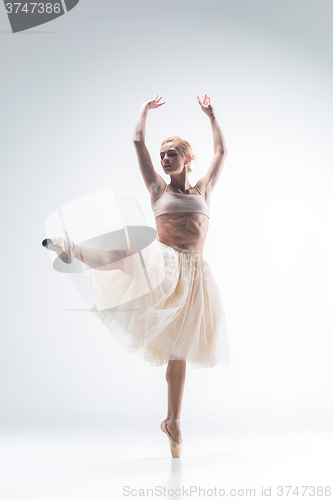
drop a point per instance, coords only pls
(63, 247)
(176, 448)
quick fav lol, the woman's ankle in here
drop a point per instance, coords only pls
(172, 417)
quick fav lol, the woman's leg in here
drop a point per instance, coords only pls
(175, 377)
(100, 259)
(103, 260)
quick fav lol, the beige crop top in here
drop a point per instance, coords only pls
(179, 202)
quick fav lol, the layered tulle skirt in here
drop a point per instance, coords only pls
(164, 304)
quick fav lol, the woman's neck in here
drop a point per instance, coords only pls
(180, 182)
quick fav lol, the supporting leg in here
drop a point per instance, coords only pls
(175, 377)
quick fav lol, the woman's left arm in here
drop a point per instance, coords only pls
(220, 149)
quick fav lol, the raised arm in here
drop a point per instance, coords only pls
(149, 174)
(220, 149)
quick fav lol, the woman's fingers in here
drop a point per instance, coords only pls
(157, 100)
(199, 101)
(205, 102)
(205, 105)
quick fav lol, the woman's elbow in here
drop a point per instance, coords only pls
(137, 140)
(222, 152)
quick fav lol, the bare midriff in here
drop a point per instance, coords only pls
(187, 230)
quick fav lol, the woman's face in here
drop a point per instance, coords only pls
(172, 160)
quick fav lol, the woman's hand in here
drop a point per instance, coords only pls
(206, 106)
(140, 126)
(155, 103)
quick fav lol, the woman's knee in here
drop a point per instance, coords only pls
(113, 259)
(175, 366)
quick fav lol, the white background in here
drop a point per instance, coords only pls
(70, 93)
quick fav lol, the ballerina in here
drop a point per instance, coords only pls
(181, 319)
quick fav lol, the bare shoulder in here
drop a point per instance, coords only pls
(205, 190)
(156, 188)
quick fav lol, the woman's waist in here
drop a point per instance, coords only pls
(196, 250)
(187, 236)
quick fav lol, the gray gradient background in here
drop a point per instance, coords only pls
(70, 93)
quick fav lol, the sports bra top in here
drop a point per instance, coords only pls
(179, 202)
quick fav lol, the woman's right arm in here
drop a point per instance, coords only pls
(150, 176)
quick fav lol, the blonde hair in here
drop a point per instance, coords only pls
(183, 146)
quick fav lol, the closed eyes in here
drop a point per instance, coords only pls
(170, 154)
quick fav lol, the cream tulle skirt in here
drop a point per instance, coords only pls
(166, 306)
